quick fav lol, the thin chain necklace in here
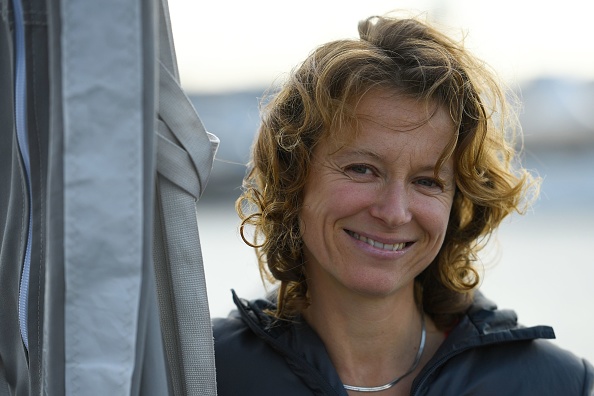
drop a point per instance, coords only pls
(397, 379)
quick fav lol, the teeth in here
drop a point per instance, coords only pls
(379, 245)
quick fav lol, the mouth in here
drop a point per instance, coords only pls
(391, 247)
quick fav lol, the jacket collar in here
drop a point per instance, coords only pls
(483, 324)
(297, 342)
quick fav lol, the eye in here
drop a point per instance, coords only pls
(360, 169)
(430, 183)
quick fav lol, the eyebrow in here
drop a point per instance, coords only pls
(348, 151)
(442, 169)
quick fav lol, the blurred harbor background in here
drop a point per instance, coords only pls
(538, 264)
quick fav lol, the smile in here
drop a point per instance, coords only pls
(384, 246)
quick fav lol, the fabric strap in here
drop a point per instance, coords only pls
(20, 102)
(185, 153)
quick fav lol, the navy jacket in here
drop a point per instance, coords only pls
(487, 353)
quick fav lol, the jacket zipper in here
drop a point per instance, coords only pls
(20, 93)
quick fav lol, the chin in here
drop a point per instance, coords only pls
(380, 288)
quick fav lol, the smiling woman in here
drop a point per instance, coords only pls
(374, 213)
(380, 168)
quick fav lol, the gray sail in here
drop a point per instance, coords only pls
(100, 249)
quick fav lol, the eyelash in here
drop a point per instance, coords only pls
(355, 167)
(434, 183)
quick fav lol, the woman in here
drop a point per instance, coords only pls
(380, 169)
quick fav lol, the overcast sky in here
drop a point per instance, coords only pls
(234, 45)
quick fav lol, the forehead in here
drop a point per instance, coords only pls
(383, 113)
(399, 112)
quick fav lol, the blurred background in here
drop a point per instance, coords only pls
(231, 52)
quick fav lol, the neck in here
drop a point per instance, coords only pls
(363, 317)
(370, 339)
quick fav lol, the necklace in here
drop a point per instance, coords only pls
(397, 379)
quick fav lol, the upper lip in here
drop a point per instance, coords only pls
(384, 240)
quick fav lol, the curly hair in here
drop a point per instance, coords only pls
(318, 100)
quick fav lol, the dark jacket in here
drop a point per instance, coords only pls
(487, 353)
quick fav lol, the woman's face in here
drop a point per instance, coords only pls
(374, 215)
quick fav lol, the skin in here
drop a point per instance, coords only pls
(380, 186)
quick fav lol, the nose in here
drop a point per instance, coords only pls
(392, 205)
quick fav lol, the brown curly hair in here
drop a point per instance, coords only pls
(318, 99)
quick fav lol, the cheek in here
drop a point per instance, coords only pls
(320, 218)
(435, 216)
(312, 234)
(326, 197)
(311, 217)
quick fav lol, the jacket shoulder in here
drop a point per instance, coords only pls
(490, 353)
(529, 367)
